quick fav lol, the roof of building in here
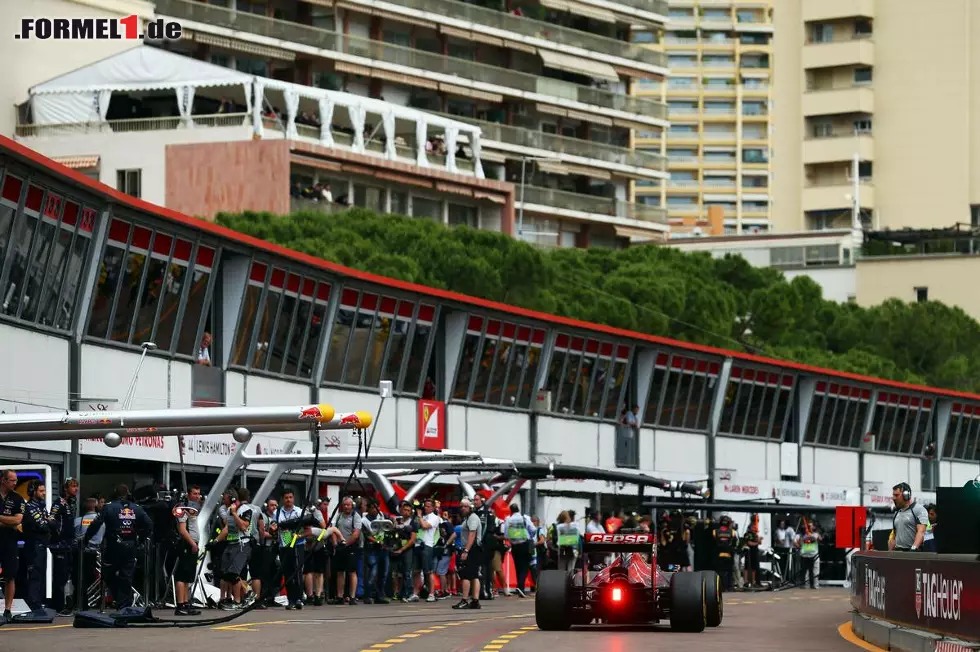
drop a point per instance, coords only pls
(218, 231)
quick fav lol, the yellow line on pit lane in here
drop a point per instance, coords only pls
(31, 629)
(846, 631)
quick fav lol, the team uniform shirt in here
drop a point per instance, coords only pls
(11, 505)
(348, 525)
(430, 536)
(404, 530)
(594, 528)
(785, 537)
(906, 522)
(81, 527)
(458, 542)
(188, 515)
(286, 538)
(471, 524)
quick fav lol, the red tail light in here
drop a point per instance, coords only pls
(617, 594)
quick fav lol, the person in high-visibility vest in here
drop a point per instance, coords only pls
(809, 543)
(569, 541)
(929, 540)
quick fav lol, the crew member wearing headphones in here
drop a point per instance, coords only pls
(64, 510)
(39, 526)
(185, 570)
(124, 522)
(12, 508)
(910, 521)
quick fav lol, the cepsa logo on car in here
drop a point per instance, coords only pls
(97, 29)
(618, 538)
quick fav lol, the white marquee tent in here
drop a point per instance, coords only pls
(83, 95)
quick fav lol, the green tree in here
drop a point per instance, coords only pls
(724, 302)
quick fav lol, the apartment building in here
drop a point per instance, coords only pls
(719, 94)
(882, 90)
(547, 82)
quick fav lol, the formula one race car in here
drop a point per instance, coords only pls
(629, 589)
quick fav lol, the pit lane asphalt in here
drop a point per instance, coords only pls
(803, 619)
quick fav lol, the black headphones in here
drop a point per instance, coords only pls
(906, 491)
(32, 488)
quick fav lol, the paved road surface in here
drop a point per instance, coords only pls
(805, 620)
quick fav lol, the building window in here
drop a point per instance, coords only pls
(862, 75)
(823, 130)
(862, 126)
(862, 28)
(823, 33)
(975, 215)
(921, 295)
(129, 182)
(643, 37)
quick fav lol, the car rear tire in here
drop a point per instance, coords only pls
(688, 608)
(712, 597)
(552, 606)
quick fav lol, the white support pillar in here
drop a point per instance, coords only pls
(326, 106)
(421, 136)
(646, 360)
(258, 101)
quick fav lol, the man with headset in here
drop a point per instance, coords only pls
(909, 525)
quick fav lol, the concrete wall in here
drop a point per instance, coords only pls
(40, 383)
(250, 175)
(136, 150)
(897, 277)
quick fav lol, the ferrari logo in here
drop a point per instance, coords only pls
(426, 413)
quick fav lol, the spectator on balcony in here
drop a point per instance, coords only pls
(204, 351)
(631, 418)
(326, 195)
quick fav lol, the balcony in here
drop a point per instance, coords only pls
(820, 10)
(848, 99)
(838, 147)
(490, 20)
(533, 139)
(407, 62)
(591, 204)
(856, 52)
(834, 196)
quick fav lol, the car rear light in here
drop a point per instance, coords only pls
(617, 594)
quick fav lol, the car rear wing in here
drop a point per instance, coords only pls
(639, 542)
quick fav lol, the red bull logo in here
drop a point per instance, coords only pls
(312, 413)
(350, 420)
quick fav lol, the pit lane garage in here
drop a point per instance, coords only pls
(626, 588)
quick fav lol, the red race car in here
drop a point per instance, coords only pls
(629, 589)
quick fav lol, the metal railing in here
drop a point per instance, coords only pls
(845, 133)
(563, 144)
(427, 62)
(489, 17)
(299, 204)
(841, 181)
(131, 125)
(591, 204)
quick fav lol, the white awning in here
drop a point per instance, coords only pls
(551, 168)
(580, 9)
(595, 69)
(142, 68)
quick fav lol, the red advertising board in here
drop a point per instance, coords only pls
(432, 425)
